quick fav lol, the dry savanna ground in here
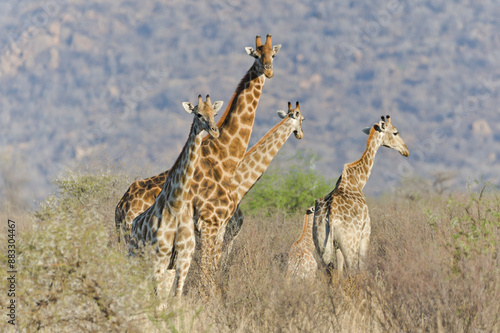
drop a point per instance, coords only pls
(433, 266)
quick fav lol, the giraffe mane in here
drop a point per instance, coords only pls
(232, 103)
(304, 229)
(370, 138)
(177, 161)
(271, 131)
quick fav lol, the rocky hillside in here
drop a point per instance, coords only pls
(101, 82)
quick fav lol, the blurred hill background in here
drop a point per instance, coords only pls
(100, 83)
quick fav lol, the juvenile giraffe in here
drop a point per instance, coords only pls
(342, 224)
(167, 223)
(256, 161)
(301, 261)
(210, 194)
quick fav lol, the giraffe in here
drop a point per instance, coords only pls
(210, 194)
(256, 161)
(301, 261)
(342, 224)
(167, 223)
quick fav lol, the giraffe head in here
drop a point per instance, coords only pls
(264, 55)
(389, 135)
(205, 115)
(297, 118)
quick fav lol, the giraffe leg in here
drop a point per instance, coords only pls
(208, 241)
(169, 280)
(185, 245)
(363, 247)
(161, 277)
(162, 255)
(232, 230)
(350, 255)
(340, 262)
(219, 242)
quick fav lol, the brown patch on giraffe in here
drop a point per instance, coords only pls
(256, 94)
(176, 205)
(177, 192)
(245, 132)
(247, 117)
(205, 149)
(231, 130)
(229, 164)
(194, 187)
(249, 98)
(221, 212)
(236, 149)
(217, 173)
(198, 176)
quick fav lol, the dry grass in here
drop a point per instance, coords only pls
(432, 266)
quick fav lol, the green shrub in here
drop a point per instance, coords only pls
(71, 276)
(475, 225)
(292, 189)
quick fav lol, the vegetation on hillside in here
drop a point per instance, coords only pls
(86, 81)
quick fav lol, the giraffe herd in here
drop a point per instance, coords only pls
(197, 199)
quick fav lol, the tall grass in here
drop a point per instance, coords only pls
(433, 266)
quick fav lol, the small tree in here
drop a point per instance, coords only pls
(293, 189)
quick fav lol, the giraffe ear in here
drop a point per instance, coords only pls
(366, 130)
(282, 114)
(188, 107)
(276, 48)
(217, 105)
(251, 51)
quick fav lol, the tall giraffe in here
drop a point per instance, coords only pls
(210, 195)
(342, 224)
(167, 223)
(301, 261)
(256, 161)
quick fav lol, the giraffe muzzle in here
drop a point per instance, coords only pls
(298, 134)
(268, 70)
(214, 132)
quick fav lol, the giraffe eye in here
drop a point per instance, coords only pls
(198, 115)
(396, 134)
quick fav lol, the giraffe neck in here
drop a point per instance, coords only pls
(258, 158)
(306, 238)
(176, 186)
(356, 174)
(235, 125)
